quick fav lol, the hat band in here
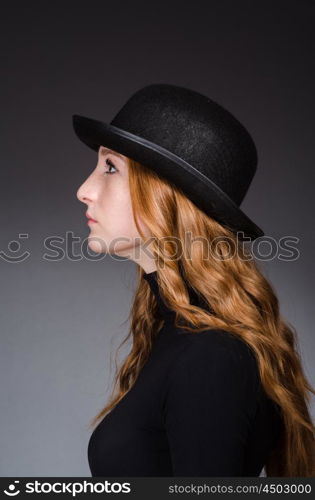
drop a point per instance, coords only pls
(173, 157)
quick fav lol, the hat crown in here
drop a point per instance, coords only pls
(197, 129)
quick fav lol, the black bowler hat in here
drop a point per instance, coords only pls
(189, 140)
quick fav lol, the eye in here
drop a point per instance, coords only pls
(111, 165)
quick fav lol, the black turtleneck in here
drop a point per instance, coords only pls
(164, 310)
(196, 409)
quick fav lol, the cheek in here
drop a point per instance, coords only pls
(116, 213)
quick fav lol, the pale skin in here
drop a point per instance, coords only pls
(107, 197)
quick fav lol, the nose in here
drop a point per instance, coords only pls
(87, 191)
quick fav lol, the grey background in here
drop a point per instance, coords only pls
(61, 321)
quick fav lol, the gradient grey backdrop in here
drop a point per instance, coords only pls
(61, 321)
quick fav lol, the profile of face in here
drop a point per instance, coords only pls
(106, 194)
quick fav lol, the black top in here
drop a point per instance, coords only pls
(196, 409)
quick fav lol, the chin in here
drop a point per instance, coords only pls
(97, 245)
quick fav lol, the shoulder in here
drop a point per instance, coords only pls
(215, 374)
(215, 353)
(215, 343)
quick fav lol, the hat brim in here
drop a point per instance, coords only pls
(202, 191)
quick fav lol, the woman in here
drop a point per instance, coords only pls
(213, 384)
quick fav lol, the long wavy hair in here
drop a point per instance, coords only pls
(240, 300)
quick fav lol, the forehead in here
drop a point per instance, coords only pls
(103, 150)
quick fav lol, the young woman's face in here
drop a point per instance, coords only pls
(107, 197)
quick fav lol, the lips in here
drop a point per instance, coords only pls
(89, 217)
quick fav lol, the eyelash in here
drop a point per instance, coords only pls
(110, 164)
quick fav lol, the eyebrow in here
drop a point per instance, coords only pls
(104, 151)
